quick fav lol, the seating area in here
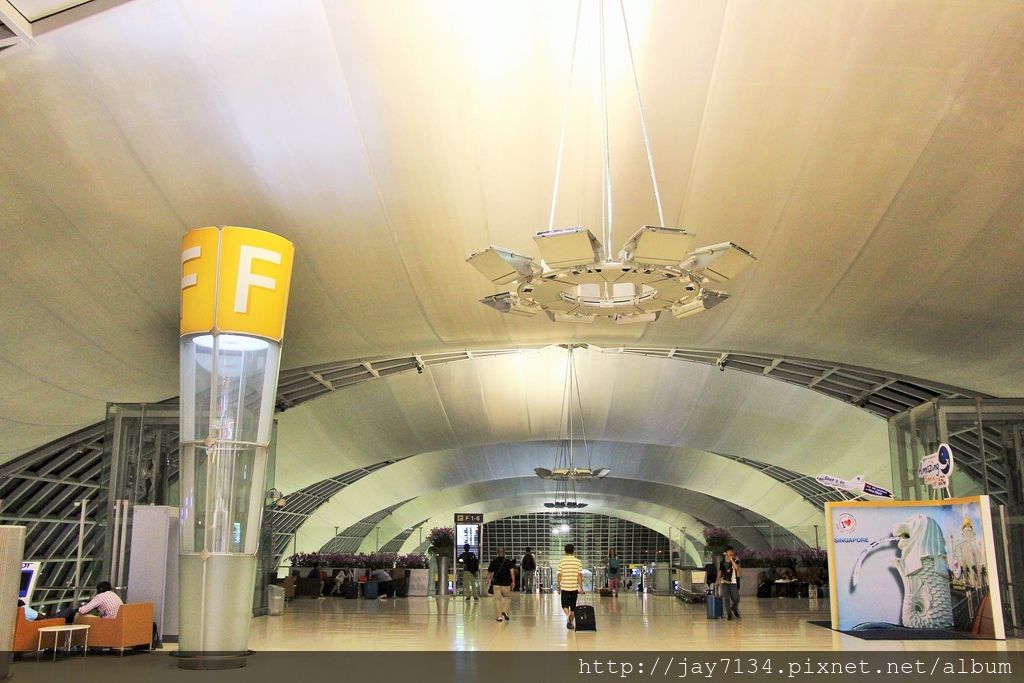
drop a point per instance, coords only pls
(132, 627)
(355, 583)
(26, 633)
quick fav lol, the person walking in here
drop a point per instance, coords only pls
(612, 567)
(729, 582)
(529, 570)
(570, 583)
(470, 573)
(501, 580)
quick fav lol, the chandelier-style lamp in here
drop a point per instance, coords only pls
(572, 445)
(579, 279)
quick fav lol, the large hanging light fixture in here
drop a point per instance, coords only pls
(572, 445)
(578, 278)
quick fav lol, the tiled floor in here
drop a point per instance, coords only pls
(629, 622)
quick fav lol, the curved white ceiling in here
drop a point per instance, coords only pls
(625, 399)
(669, 505)
(495, 418)
(431, 479)
(659, 506)
(871, 160)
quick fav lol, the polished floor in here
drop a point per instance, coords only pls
(629, 622)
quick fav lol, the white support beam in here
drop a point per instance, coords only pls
(774, 364)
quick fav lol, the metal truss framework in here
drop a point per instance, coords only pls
(349, 540)
(396, 543)
(42, 489)
(304, 502)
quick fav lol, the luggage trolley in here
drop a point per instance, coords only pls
(545, 577)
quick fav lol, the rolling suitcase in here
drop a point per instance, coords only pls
(370, 589)
(350, 589)
(714, 604)
(585, 618)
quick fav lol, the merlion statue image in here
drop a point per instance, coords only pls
(927, 603)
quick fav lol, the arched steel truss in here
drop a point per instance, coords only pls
(42, 489)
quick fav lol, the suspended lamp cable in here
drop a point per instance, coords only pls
(583, 424)
(640, 108)
(565, 117)
(561, 449)
(607, 203)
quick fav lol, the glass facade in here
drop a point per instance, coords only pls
(592, 534)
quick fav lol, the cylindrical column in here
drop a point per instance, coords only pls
(12, 551)
(234, 293)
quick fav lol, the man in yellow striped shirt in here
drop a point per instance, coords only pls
(570, 582)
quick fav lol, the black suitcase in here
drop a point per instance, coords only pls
(350, 589)
(586, 620)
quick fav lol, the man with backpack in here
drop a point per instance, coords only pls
(613, 572)
(470, 573)
(529, 570)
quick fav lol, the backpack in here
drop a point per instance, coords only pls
(528, 563)
(613, 566)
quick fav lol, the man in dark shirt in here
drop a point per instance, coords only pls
(729, 581)
(529, 570)
(501, 577)
(470, 573)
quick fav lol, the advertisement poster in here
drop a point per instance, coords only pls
(915, 565)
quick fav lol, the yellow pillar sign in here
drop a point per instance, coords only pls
(235, 280)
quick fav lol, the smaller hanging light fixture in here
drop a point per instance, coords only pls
(564, 470)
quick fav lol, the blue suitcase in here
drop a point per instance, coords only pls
(370, 590)
(715, 610)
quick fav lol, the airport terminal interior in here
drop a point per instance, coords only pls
(303, 298)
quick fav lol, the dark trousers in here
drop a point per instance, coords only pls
(69, 614)
(731, 598)
(386, 588)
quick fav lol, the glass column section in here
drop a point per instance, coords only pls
(234, 293)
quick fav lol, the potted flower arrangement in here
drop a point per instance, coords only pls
(716, 539)
(442, 547)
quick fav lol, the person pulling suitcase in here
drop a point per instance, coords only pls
(570, 583)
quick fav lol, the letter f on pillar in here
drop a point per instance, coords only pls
(246, 278)
(190, 254)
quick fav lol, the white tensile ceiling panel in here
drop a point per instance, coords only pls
(649, 401)
(435, 480)
(668, 421)
(871, 161)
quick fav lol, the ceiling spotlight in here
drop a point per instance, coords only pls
(502, 266)
(568, 247)
(509, 302)
(274, 499)
(707, 299)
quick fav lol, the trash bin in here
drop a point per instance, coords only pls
(275, 601)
